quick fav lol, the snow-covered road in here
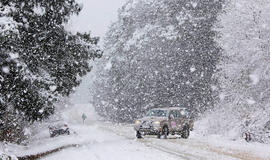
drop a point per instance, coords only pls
(99, 140)
(106, 141)
(106, 145)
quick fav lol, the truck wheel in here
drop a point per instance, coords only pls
(138, 135)
(158, 135)
(185, 132)
(52, 135)
(165, 132)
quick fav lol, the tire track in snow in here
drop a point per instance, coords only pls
(177, 154)
(185, 156)
(235, 154)
(231, 153)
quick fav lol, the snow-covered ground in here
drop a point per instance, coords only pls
(99, 140)
(103, 144)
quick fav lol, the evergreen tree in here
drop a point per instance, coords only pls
(40, 60)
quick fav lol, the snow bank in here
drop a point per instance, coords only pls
(228, 122)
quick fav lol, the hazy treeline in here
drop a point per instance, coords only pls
(158, 54)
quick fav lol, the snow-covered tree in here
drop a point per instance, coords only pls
(159, 54)
(40, 60)
(244, 69)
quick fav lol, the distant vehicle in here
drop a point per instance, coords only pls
(165, 121)
(59, 129)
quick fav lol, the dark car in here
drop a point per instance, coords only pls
(59, 129)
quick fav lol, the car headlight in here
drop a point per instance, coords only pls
(156, 123)
(137, 122)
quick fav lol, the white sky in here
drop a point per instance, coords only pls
(96, 16)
